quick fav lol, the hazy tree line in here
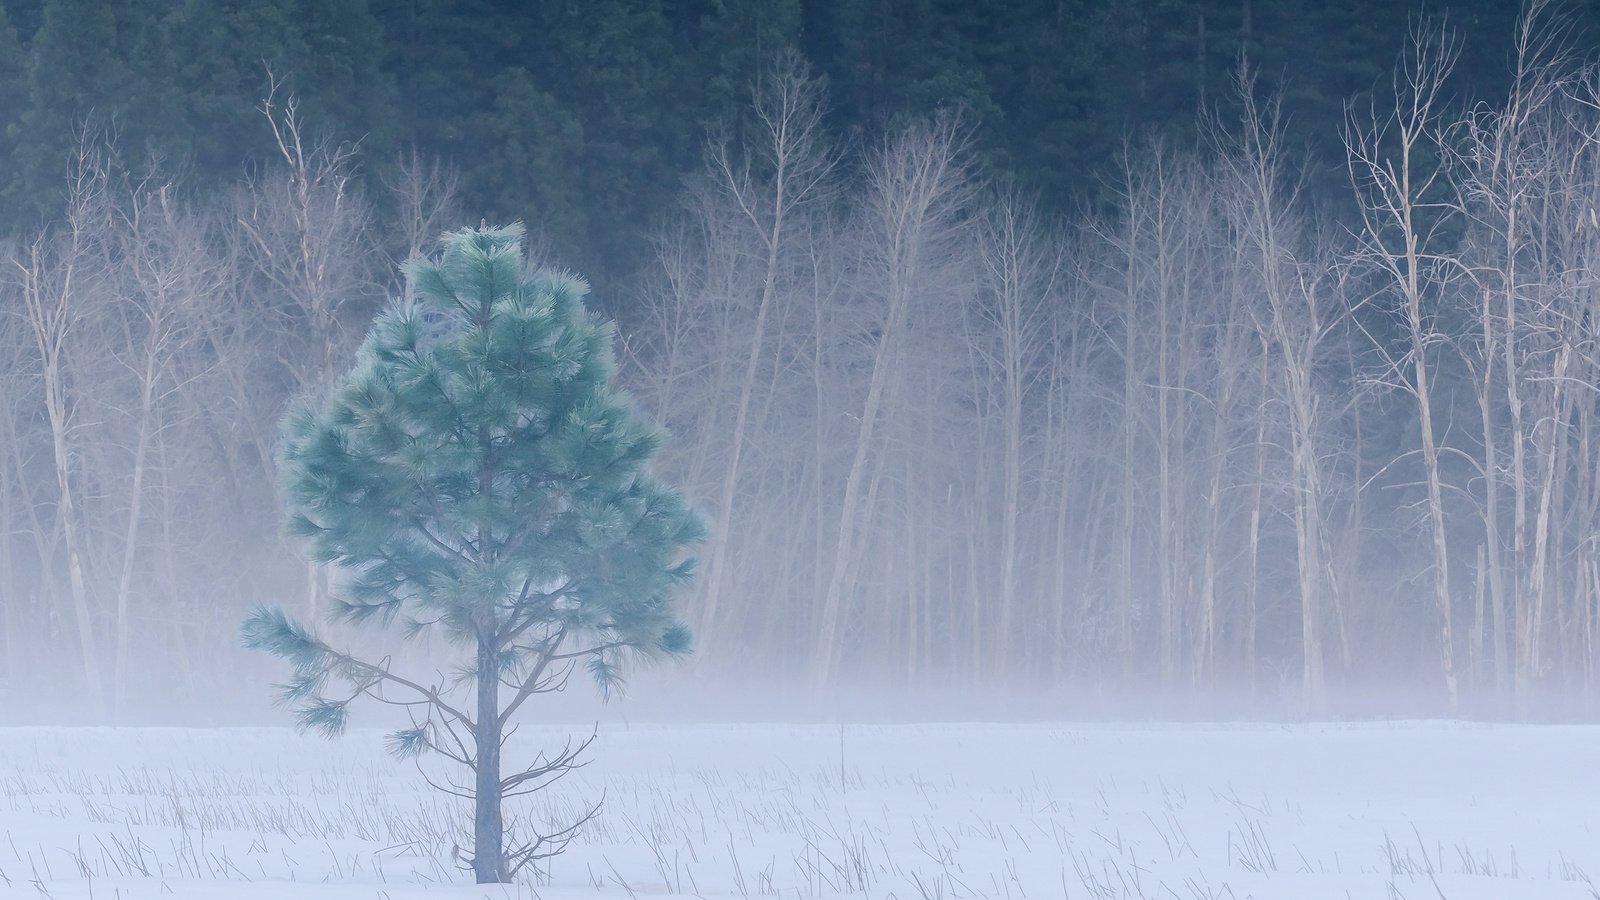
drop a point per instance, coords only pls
(1212, 435)
(150, 338)
(1210, 439)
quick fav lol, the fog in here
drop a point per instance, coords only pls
(1227, 532)
(1217, 447)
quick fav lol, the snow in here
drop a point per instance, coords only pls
(1194, 812)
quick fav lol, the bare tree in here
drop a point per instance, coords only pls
(12, 478)
(1073, 430)
(1403, 216)
(1508, 163)
(1301, 306)
(307, 223)
(427, 193)
(307, 230)
(1018, 277)
(1167, 316)
(166, 280)
(56, 280)
(790, 166)
(917, 186)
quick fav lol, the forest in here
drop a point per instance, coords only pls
(1240, 355)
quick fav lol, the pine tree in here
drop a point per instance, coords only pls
(13, 97)
(476, 476)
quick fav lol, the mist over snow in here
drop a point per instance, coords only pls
(1407, 809)
(800, 449)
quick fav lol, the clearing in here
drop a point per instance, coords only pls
(1418, 810)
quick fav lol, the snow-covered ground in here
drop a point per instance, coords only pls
(1412, 810)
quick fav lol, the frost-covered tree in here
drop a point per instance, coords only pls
(476, 476)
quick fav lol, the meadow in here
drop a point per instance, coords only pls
(1421, 810)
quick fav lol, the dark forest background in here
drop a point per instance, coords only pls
(584, 117)
(1238, 357)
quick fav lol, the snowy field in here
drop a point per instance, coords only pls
(1414, 810)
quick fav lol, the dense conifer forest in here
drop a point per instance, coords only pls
(584, 117)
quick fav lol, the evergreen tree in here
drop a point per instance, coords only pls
(612, 68)
(1058, 124)
(214, 74)
(528, 149)
(13, 97)
(726, 45)
(445, 57)
(475, 476)
(81, 76)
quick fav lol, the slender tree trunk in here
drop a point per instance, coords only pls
(130, 535)
(1204, 662)
(1520, 599)
(1308, 543)
(715, 556)
(1421, 386)
(915, 603)
(88, 646)
(52, 319)
(1252, 584)
(1493, 567)
(1560, 587)
(1539, 562)
(1013, 269)
(1130, 389)
(1393, 189)
(1441, 554)
(1206, 629)
(10, 595)
(1063, 548)
(1011, 502)
(1166, 396)
(1475, 650)
(488, 826)
(182, 621)
(844, 540)
(918, 179)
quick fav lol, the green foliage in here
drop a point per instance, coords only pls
(81, 62)
(741, 38)
(528, 131)
(215, 72)
(408, 743)
(13, 94)
(476, 475)
(615, 66)
(178, 85)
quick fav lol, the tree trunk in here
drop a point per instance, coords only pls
(1252, 585)
(844, 542)
(1441, 558)
(52, 319)
(1539, 561)
(716, 555)
(1126, 525)
(1398, 185)
(1493, 567)
(130, 536)
(1165, 558)
(488, 826)
(1430, 448)
(1308, 544)
(917, 179)
(10, 597)
(1479, 589)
